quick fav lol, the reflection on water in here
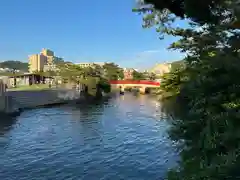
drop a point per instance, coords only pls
(120, 138)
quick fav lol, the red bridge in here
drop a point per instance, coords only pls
(143, 85)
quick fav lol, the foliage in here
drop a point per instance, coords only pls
(215, 12)
(178, 65)
(18, 65)
(113, 71)
(74, 73)
(171, 83)
(207, 83)
(89, 76)
(46, 73)
(104, 85)
(11, 74)
(151, 76)
(138, 75)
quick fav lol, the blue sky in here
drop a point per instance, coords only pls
(80, 31)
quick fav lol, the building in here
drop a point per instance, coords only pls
(128, 73)
(25, 79)
(50, 67)
(3, 70)
(36, 62)
(43, 61)
(160, 69)
(90, 64)
(47, 52)
(58, 60)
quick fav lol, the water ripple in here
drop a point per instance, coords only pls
(122, 138)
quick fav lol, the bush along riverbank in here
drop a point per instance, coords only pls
(207, 85)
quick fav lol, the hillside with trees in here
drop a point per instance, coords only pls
(18, 65)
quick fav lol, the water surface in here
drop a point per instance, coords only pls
(120, 138)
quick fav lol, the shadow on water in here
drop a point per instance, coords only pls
(6, 123)
(174, 108)
(91, 105)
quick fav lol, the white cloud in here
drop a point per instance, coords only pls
(146, 59)
(151, 51)
(147, 54)
(143, 56)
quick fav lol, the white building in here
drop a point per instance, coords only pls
(90, 64)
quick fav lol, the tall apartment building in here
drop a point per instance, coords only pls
(47, 52)
(36, 62)
(50, 56)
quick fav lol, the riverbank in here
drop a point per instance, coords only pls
(14, 102)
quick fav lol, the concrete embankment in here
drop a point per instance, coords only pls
(13, 101)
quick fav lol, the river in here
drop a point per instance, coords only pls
(122, 137)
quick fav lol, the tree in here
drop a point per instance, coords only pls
(96, 70)
(73, 73)
(152, 76)
(138, 75)
(207, 83)
(215, 11)
(18, 65)
(113, 71)
(90, 77)
(178, 65)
